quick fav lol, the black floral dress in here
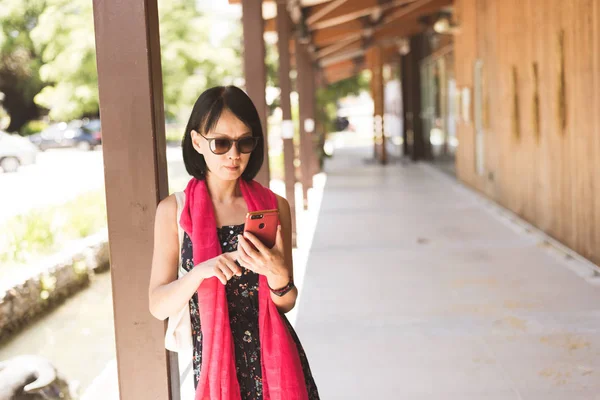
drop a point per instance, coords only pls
(242, 298)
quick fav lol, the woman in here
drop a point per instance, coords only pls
(233, 284)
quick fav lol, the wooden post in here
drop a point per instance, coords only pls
(255, 71)
(407, 122)
(287, 128)
(135, 170)
(302, 86)
(377, 92)
(311, 93)
(422, 146)
(411, 81)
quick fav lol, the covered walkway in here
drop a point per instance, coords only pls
(418, 288)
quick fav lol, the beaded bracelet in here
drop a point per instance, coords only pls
(284, 290)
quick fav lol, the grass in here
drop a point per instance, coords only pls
(40, 232)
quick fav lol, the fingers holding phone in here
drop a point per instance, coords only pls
(249, 255)
(257, 257)
(260, 249)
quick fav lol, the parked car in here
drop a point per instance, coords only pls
(74, 134)
(15, 151)
(94, 127)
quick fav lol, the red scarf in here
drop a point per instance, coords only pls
(282, 375)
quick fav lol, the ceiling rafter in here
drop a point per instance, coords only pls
(419, 7)
(389, 44)
(324, 37)
(389, 23)
(340, 32)
(358, 9)
(344, 70)
(339, 45)
(323, 11)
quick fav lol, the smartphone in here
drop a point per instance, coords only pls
(263, 225)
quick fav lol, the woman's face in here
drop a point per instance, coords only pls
(231, 165)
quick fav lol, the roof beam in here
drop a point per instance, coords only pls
(356, 51)
(351, 67)
(342, 56)
(355, 9)
(324, 37)
(419, 7)
(320, 11)
(395, 30)
(339, 45)
(348, 10)
(409, 14)
(343, 70)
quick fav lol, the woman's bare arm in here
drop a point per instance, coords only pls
(167, 295)
(288, 301)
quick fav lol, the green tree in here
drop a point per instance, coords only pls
(327, 105)
(328, 96)
(20, 60)
(48, 55)
(191, 63)
(64, 37)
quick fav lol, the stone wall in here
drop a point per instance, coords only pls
(52, 282)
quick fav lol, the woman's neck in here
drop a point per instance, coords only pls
(222, 191)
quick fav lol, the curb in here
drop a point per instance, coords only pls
(51, 282)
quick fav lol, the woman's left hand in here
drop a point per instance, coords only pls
(262, 260)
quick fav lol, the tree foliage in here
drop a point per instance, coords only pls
(48, 57)
(191, 60)
(20, 62)
(328, 96)
(48, 60)
(64, 37)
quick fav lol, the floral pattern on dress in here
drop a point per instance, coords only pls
(242, 300)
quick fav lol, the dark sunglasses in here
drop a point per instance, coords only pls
(220, 146)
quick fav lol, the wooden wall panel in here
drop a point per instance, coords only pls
(465, 52)
(487, 49)
(595, 12)
(542, 50)
(545, 170)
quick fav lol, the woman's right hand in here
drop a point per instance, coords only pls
(222, 267)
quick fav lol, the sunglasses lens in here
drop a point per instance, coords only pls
(247, 145)
(221, 146)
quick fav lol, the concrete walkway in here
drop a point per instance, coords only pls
(416, 288)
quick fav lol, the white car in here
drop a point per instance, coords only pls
(15, 151)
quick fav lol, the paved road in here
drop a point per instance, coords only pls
(62, 174)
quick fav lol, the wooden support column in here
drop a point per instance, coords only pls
(375, 59)
(407, 123)
(411, 81)
(422, 146)
(303, 66)
(400, 73)
(135, 170)
(255, 71)
(284, 28)
(311, 93)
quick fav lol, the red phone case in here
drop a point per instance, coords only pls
(263, 225)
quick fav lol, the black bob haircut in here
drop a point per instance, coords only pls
(204, 118)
